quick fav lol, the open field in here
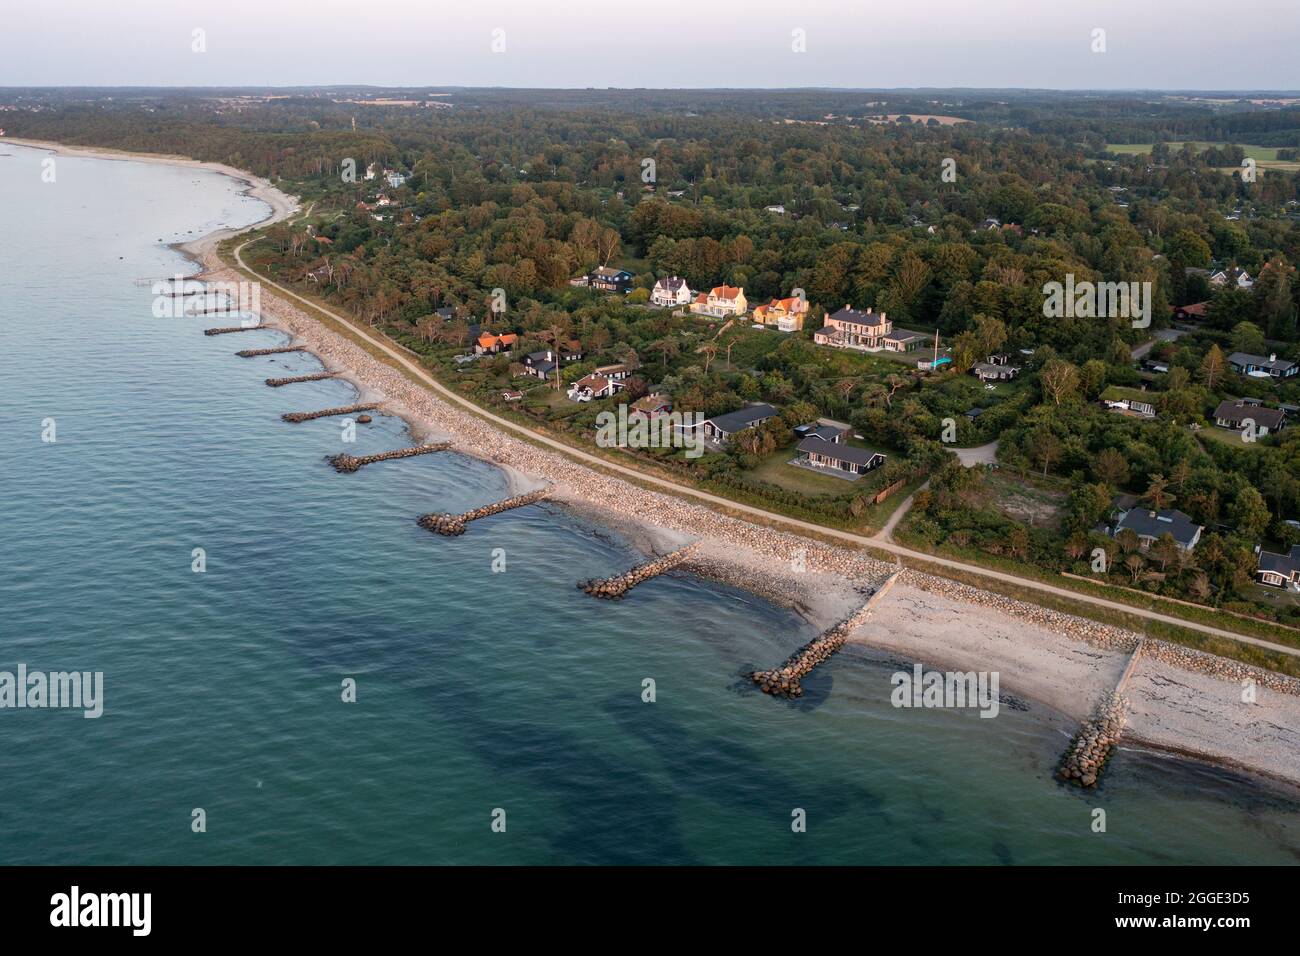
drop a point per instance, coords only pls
(1264, 156)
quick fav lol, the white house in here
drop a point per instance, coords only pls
(670, 292)
(593, 386)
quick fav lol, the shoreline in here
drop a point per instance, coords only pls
(1057, 660)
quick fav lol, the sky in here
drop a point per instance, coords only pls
(1148, 44)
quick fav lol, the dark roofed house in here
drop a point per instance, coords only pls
(609, 280)
(721, 428)
(825, 429)
(1279, 570)
(1150, 526)
(998, 368)
(1235, 414)
(1257, 366)
(816, 452)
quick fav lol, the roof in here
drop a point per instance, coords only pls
(858, 317)
(855, 456)
(1196, 308)
(671, 284)
(743, 417)
(988, 368)
(1285, 564)
(597, 383)
(791, 304)
(725, 292)
(488, 339)
(1156, 524)
(905, 335)
(1239, 411)
(648, 403)
(823, 428)
(605, 272)
(1272, 362)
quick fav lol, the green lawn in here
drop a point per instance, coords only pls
(775, 469)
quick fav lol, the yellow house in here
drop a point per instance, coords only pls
(786, 314)
(721, 302)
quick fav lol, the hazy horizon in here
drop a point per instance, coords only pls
(765, 45)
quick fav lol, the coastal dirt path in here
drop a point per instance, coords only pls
(879, 541)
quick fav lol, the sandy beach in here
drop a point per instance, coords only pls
(1179, 701)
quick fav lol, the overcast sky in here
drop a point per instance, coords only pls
(1158, 44)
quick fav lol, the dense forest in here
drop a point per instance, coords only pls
(948, 210)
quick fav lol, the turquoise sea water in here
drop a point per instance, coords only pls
(476, 690)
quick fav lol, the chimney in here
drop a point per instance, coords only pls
(1272, 356)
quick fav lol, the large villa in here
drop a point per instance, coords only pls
(866, 331)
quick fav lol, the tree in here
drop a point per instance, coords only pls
(1165, 549)
(1059, 379)
(1250, 513)
(1212, 367)
(991, 332)
(1135, 564)
(1157, 494)
(1247, 337)
(1110, 467)
(1043, 447)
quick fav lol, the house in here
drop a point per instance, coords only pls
(616, 372)
(1195, 312)
(651, 406)
(1235, 414)
(973, 413)
(990, 223)
(778, 209)
(1155, 366)
(609, 280)
(489, 343)
(816, 452)
(786, 314)
(1151, 526)
(721, 428)
(1133, 406)
(543, 364)
(593, 386)
(670, 292)
(904, 340)
(1234, 276)
(721, 302)
(851, 328)
(997, 368)
(510, 395)
(371, 170)
(1256, 366)
(826, 429)
(395, 179)
(1279, 570)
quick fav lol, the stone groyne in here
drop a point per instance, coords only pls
(347, 464)
(226, 330)
(452, 525)
(620, 584)
(314, 377)
(250, 353)
(784, 681)
(1096, 740)
(329, 412)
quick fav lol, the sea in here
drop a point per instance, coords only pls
(294, 672)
